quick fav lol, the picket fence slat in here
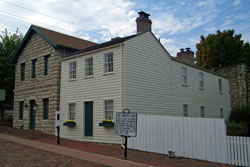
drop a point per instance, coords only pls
(198, 138)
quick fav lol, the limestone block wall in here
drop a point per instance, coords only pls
(43, 86)
(239, 84)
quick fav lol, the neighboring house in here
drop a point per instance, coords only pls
(134, 72)
(37, 77)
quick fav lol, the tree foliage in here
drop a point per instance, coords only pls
(222, 49)
(8, 45)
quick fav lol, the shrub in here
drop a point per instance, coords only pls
(237, 129)
(240, 115)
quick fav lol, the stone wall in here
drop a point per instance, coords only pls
(43, 86)
(239, 80)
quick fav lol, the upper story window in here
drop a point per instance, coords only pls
(71, 111)
(108, 109)
(46, 65)
(108, 65)
(185, 110)
(202, 111)
(201, 80)
(34, 68)
(72, 70)
(220, 85)
(221, 112)
(89, 66)
(184, 75)
(22, 71)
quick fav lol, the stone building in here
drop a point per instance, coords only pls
(239, 79)
(37, 77)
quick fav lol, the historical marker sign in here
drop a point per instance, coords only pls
(126, 123)
(2, 94)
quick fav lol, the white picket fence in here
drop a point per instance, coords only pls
(238, 149)
(197, 138)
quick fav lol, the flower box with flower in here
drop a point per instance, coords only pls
(69, 123)
(107, 123)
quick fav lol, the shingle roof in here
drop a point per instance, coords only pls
(65, 40)
(55, 39)
(102, 45)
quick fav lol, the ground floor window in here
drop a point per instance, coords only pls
(185, 110)
(71, 111)
(21, 104)
(45, 108)
(108, 109)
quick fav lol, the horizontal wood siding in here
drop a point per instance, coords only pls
(153, 83)
(194, 97)
(97, 89)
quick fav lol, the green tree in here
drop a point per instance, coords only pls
(8, 45)
(221, 49)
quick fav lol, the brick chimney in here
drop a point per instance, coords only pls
(187, 55)
(143, 22)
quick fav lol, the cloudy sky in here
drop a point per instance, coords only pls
(178, 23)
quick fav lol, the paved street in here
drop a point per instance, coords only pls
(17, 155)
(89, 151)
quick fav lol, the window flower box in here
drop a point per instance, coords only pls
(107, 123)
(69, 123)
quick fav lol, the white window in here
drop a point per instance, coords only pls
(220, 85)
(71, 111)
(185, 110)
(221, 113)
(202, 111)
(201, 80)
(89, 66)
(108, 65)
(108, 109)
(72, 70)
(184, 75)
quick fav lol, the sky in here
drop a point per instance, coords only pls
(178, 23)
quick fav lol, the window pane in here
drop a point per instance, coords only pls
(46, 65)
(202, 111)
(34, 66)
(72, 111)
(221, 113)
(220, 85)
(108, 62)
(184, 75)
(21, 105)
(72, 71)
(22, 71)
(45, 108)
(108, 109)
(185, 110)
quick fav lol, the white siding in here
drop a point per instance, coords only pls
(209, 97)
(97, 89)
(153, 83)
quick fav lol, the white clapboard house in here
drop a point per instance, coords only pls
(134, 72)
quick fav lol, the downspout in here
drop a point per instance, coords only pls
(123, 77)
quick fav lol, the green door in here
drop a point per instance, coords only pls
(32, 114)
(89, 118)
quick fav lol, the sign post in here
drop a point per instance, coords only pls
(126, 126)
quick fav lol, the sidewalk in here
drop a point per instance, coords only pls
(74, 153)
(113, 151)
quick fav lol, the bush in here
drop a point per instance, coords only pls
(240, 115)
(237, 129)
